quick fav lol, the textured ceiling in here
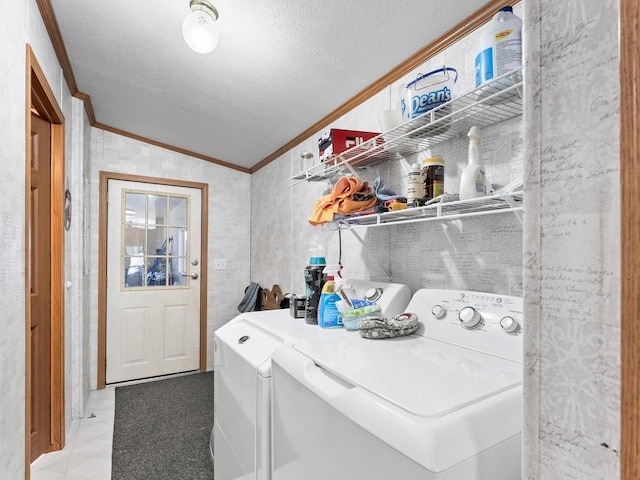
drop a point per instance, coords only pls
(280, 65)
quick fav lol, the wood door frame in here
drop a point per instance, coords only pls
(102, 262)
(630, 237)
(40, 95)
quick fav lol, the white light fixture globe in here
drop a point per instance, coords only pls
(199, 29)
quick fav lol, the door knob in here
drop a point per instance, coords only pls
(194, 276)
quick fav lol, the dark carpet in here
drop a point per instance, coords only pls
(162, 428)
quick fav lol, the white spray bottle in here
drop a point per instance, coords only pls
(473, 181)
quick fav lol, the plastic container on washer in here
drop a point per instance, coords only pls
(350, 319)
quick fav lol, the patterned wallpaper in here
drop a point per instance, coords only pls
(572, 266)
(14, 30)
(77, 290)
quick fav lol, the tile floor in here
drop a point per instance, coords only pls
(87, 453)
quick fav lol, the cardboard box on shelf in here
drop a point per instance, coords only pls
(337, 141)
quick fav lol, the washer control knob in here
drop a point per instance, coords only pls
(469, 317)
(439, 311)
(373, 294)
(509, 324)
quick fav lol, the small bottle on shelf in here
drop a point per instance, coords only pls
(415, 186)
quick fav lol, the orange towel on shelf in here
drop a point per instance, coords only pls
(341, 200)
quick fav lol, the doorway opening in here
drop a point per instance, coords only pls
(124, 276)
(44, 247)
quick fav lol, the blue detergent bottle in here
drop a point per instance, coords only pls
(328, 313)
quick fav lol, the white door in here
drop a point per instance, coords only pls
(153, 284)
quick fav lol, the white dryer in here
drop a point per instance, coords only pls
(444, 403)
(240, 439)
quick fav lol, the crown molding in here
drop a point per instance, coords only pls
(173, 148)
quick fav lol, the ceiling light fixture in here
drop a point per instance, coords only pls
(199, 29)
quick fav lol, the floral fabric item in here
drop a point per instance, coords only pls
(376, 327)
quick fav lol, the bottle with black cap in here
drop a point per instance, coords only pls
(314, 279)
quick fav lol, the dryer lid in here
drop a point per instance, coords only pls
(422, 376)
(251, 343)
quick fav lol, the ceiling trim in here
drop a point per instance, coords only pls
(88, 106)
(171, 147)
(466, 26)
(50, 22)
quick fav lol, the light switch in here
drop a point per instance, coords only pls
(219, 264)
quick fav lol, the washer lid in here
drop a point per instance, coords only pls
(422, 376)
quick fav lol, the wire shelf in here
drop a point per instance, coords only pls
(502, 203)
(494, 102)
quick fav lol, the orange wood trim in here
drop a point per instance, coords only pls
(51, 24)
(630, 236)
(204, 257)
(102, 261)
(171, 147)
(57, 287)
(468, 25)
(27, 271)
(39, 93)
(125, 177)
(102, 281)
(88, 106)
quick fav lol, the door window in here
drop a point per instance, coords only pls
(154, 235)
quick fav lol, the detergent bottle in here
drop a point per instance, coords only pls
(314, 277)
(328, 314)
(500, 47)
(473, 181)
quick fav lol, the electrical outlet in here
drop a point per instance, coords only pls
(219, 264)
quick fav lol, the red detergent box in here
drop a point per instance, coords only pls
(337, 141)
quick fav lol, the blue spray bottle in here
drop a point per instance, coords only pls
(328, 313)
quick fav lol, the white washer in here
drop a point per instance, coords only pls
(444, 403)
(240, 438)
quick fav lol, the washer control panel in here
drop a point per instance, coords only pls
(486, 322)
